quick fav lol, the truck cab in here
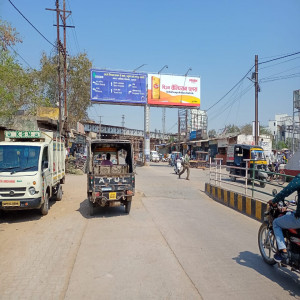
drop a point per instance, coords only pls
(32, 169)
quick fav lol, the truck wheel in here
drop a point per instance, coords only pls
(59, 193)
(45, 206)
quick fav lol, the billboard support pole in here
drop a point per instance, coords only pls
(146, 135)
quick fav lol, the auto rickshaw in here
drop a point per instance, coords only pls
(236, 156)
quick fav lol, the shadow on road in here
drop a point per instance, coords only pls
(101, 212)
(19, 216)
(285, 278)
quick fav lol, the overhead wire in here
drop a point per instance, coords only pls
(31, 24)
(281, 57)
(227, 105)
(231, 89)
(20, 57)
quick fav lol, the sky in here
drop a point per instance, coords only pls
(217, 39)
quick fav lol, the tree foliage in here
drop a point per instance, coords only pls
(78, 84)
(29, 89)
(212, 133)
(232, 129)
(8, 35)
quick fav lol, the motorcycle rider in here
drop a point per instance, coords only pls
(288, 221)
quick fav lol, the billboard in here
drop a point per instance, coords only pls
(171, 90)
(118, 87)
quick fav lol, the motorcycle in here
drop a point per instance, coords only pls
(177, 166)
(267, 242)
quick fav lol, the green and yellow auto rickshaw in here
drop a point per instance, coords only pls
(240, 156)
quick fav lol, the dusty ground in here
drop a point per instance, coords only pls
(37, 253)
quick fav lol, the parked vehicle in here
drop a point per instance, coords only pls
(154, 156)
(267, 242)
(110, 185)
(236, 164)
(32, 169)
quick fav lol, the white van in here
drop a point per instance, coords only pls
(154, 156)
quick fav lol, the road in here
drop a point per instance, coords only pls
(177, 243)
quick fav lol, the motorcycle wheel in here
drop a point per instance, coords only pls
(267, 244)
(281, 178)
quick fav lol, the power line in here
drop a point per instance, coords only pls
(31, 24)
(280, 63)
(231, 88)
(20, 57)
(281, 77)
(281, 57)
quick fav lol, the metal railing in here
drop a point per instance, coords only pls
(245, 180)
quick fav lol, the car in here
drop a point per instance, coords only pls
(154, 156)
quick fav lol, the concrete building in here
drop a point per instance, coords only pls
(282, 127)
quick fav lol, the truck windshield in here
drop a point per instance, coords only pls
(18, 158)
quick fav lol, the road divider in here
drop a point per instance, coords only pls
(244, 204)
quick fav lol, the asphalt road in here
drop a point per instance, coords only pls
(176, 243)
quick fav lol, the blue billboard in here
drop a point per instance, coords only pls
(118, 87)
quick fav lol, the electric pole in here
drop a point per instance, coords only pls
(256, 100)
(62, 50)
(100, 124)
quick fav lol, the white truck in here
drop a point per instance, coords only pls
(32, 169)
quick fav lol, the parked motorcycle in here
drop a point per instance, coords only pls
(266, 238)
(177, 166)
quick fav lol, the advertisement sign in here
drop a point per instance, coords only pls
(118, 87)
(171, 90)
(193, 135)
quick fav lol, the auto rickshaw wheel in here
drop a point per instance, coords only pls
(128, 205)
(91, 207)
(262, 184)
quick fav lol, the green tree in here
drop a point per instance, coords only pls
(17, 85)
(78, 85)
(265, 130)
(246, 129)
(231, 128)
(212, 133)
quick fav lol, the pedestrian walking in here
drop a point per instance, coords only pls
(186, 165)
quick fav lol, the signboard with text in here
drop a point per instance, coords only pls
(171, 90)
(118, 87)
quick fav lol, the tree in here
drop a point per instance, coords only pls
(212, 133)
(265, 130)
(246, 129)
(232, 129)
(8, 35)
(78, 85)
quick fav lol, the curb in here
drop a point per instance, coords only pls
(250, 207)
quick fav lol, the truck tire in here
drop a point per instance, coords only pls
(59, 193)
(45, 206)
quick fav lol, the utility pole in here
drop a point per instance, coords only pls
(123, 123)
(100, 123)
(256, 100)
(62, 50)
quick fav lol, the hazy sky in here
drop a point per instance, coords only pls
(217, 39)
